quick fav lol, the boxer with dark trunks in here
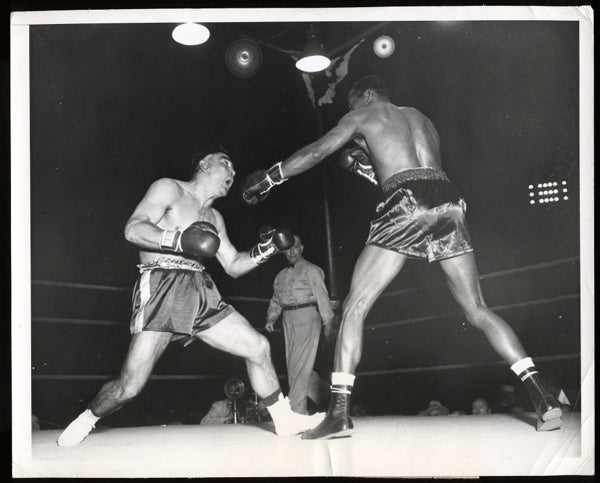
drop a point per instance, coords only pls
(176, 299)
(420, 215)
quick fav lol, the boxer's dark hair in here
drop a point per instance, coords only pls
(205, 151)
(373, 82)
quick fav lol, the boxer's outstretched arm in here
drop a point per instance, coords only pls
(312, 154)
(256, 186)
(141, 228)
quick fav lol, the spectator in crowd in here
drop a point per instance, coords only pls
(220, 412)
(480, 406)
(357, 409)
(435, 408)
(508, 400)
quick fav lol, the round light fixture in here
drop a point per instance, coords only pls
(384, 46)
(243, 58)
(313, 58)
(190, 34)
(313, 63)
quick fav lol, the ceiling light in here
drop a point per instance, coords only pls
(190, 34)
(384, 46)
(243, 58)
(313, 57)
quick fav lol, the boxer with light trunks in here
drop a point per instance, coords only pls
(176, 299)
(420, 215)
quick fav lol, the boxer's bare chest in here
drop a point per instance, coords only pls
(185, 211)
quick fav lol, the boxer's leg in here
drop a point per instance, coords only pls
(236, 336)
(463, 280)
(374, 270)
(144, 350)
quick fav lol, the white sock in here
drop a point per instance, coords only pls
(89, 416)
(520, 366)
(342, 379)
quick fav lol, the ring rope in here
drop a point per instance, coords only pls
(61, 320)
(509, 271)
(525, 268)
(175, 377)
(50, 283)
(460, 313)
(372, 327)
(449, 367)
(183, 377)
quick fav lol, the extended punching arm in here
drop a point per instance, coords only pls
(257, 185)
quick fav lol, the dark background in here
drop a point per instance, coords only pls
(114, 107)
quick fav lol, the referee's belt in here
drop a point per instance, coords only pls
(299, 306)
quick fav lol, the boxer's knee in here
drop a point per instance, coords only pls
(478, 315)
(356, 308)
(260, 349)
(128, 389)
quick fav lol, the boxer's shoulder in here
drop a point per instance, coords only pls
(168, 186)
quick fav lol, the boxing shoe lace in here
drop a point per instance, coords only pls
(337, 423)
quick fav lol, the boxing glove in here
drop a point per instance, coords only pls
(255, 188)
(271, 241)
(356, 160)
(200, 239)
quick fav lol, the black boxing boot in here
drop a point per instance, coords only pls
(546, 406)
(337, 422)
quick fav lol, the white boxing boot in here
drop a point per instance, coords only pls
(76, 432)
(289, 423)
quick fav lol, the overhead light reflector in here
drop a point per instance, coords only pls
(384, 46)
(243, 58)
(313, 57)
(191, 34)
(313, 63)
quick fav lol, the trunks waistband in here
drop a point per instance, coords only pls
(412, 174)
(300, 306)
(170, 263)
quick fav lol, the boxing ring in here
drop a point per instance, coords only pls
(382, 445)
(495, 444)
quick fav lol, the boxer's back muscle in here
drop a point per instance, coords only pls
(399, 138)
